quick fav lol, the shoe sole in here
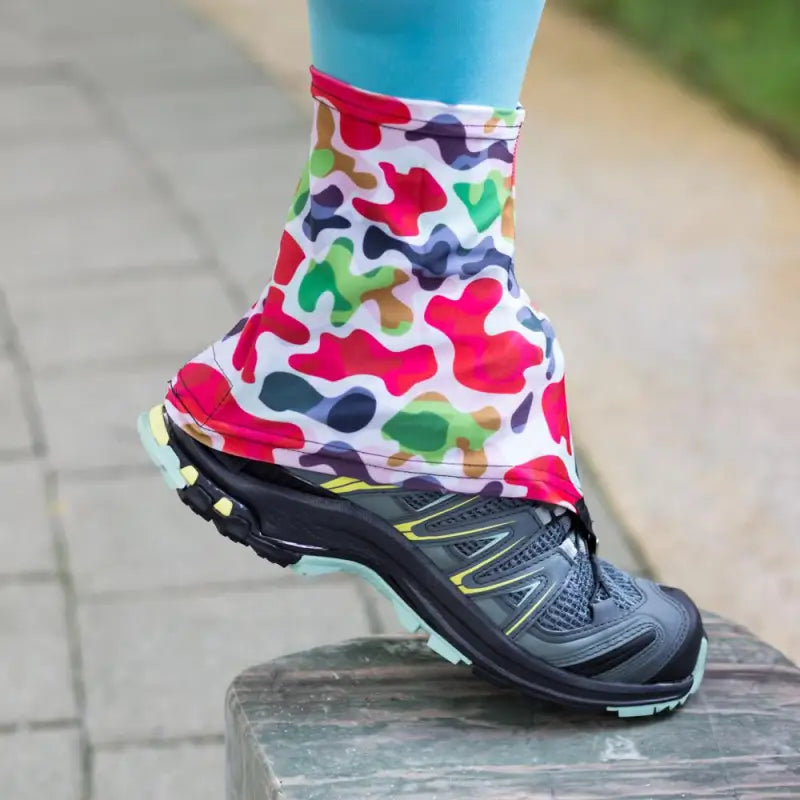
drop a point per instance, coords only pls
(235, 521)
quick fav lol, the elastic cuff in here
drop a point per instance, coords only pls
(440, 120)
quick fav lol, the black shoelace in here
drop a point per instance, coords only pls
(584, 529)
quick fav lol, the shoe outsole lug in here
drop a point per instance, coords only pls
(199, 501)
(234, 521)
(224, 506)
(190, 475)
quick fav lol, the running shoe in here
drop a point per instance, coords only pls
(512, 587)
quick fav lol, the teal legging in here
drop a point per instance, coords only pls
(454, 51)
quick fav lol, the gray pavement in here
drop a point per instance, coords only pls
(145, 168)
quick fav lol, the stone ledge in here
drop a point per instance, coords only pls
(382, 718)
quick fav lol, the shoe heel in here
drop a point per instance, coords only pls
(230, 517)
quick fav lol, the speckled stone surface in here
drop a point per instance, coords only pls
(383, 718)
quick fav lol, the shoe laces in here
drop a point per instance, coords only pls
(583, 529)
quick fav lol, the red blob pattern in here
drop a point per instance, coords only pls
(290, 256)
(361, 112)
(545, 479)
(203, 392)
(487, 363)
(554, 406)
(359, 353)
(271, 319)
(415, 192)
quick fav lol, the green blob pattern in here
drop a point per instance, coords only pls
(485, 200)
(508, 115)
(430, 425)
(301, 194)
(319, 164)
(333, 275)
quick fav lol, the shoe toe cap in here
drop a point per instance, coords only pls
(682, 655)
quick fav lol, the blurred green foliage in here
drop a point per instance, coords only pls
(744, 52)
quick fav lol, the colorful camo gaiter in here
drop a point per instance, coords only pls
(393, 343)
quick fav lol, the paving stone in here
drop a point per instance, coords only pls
(36, 111)
(15, 434)
(90, 415)
(153, 542)
(35, 666)
(16, 15)
(246, 248)
(160, 667)
(241, 196)
(26, 543)
(129, 230)
(40, 765)
(6, 332)
(206, 117)
(55, 174)
(18, 50)
(79, 24)
(219, 184)
(195, 771)
(190, 57)
(109, 321)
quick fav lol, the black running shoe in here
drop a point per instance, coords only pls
(510, 586)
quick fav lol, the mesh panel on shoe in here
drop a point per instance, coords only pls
(620, 586)
(420, 499)
(550, 537)
(570, 609)
(486, 508)
(472, 546)
(517, 597)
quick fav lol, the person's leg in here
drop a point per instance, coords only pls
(469, 51)
(393, 405)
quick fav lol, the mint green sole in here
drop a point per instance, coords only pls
(409, 619)
(648, 709)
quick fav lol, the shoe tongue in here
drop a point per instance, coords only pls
(571, 542)
(577, 550)
(592, 589)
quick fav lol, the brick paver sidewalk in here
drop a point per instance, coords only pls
(141, 164)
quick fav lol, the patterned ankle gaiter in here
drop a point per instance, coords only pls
(393, 343)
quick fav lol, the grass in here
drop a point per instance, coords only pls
(745, 53)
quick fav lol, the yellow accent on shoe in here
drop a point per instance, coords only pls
(406, 527)
(411, 536)
(190, 475)
(223, 506)
(157, 425)
(336, 482)
(530, 611)
(456, 579)
(360, 486)
(500, 585)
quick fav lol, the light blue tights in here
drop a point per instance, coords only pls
(454, 51)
